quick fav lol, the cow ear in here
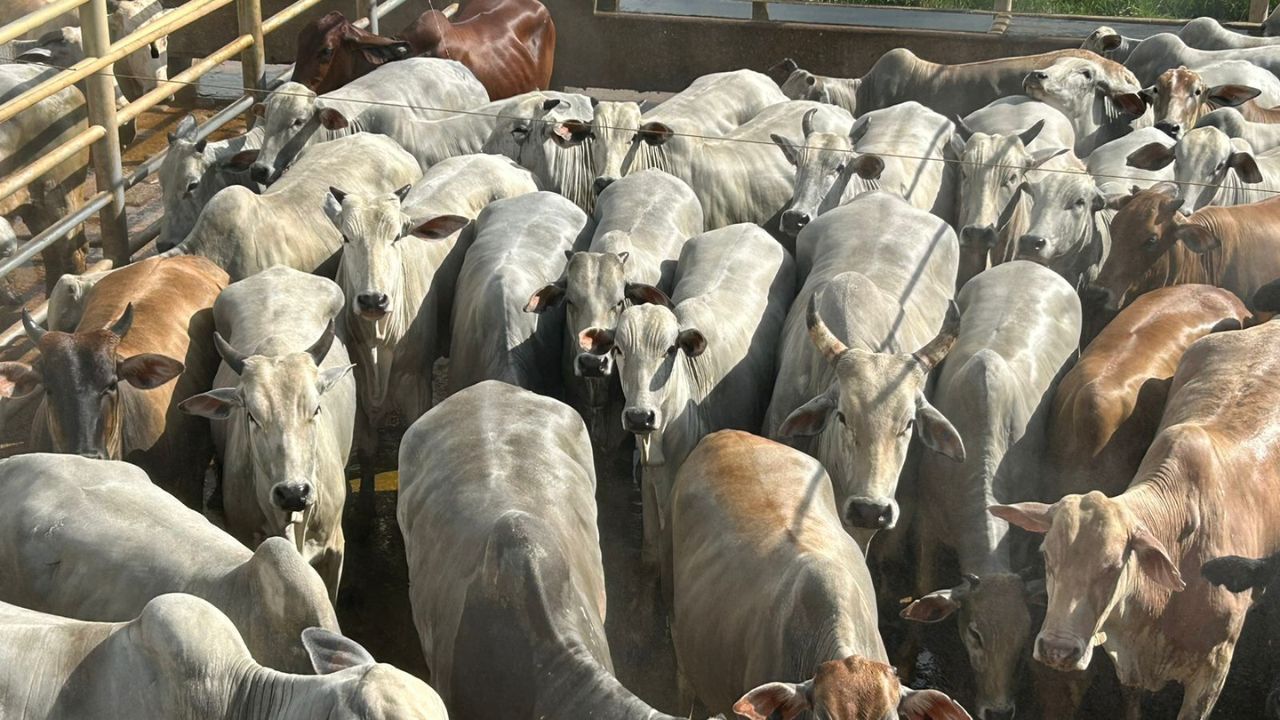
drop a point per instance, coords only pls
(1044, 155)
(936, 431)
(1030, 516)
(1111, 42)
(1232, 95)
(789, 150)
(215, 404)
(260, 109)
(810, 418)
(1236, 573)
(1246, 167)
(1154, 560)
(331, 652)
(642, 294)
(868, 166)
(1197, 238)
(931, 608)
(440, 227)
(333, 205)
(545, 298)
(332, 119)
(930, 705)
(18, 379)
(242, 160)
(775, 700)
(655, 133)
(692, 342)
(1152, 156)
(1130, 102)
(595, 340)
(331, 377)
(148, 370)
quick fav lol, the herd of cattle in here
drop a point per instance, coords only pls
(1002, 324)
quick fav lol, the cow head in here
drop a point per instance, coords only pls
(1205, 160)
(549, 134)
(995, 624)
(613, 125)
(1180, 97)
(804, 85)
(1061, 234)
(277, 564)
(292, 115)
(432, 30)
(81, 374)
(1096, 553)
(149, 64)
(1143, 232)
(332, 52)
(1103, 41)
(277, 404)
(362, 686)
(825, 163)
(855, 688)
(371, 270)
(181, 173)
(1092, 92)
(877, 400)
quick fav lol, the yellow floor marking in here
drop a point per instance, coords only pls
(383, 482)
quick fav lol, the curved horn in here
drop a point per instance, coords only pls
(806, 122)
(34, 331)
(827, 343)
(857, 132)
(121, 326)
(964, 131)
(321, 346)
(972, 580)
(1030, 134)
(932, 353)
(231, 356)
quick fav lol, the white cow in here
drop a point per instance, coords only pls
(181, 659)
(97, 540)
(391, 101)
(245, 233)
(193, 171)
(1100, 98)
(1109, 164)
(1213, 169)
(143, 69)
(1262, 137)
(800, 84)
(1166, 50)
(284, 408)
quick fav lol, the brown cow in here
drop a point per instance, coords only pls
(1107, 407)
(1180, 97)
(1153, 245)
(509, 45)
(1124, 572)
(107, 385)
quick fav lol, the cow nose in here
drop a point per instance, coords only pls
(990, 714)
(978, 235)
(1169, 129)
(1032, 243)
(639, 420)
(871, 513)
(793, 221)
(92, 454)
(603, 182)
(292, 497)
(373, 302)
(591, 365)
(1058, 651)
(260, 173)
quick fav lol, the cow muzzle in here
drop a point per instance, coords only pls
(1061, 651)
(871, 513)
(373, 305)
(293, 497)
(262, 173)
(590, 365)
(1168, 128)
(1097, 296)
(983, 236)
(793, 221)
(997, 713)
(641, 421)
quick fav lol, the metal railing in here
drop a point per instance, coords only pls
(105, 118)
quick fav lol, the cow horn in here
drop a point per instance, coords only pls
(857, 132)
(933, 353)
(827, 343)
(962, 129)
(121, 326)
(231, 356)
(321, 346)
(806, 122)
(450, 11)
(34, 331)
(971, 580)
(1029, 135)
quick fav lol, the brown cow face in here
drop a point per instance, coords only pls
(1180, 98)
(851, 689)
(333, 52)
(1142, 233)
(81, 374)
(1095, 553)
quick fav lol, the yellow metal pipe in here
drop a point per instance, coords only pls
(179, 18)
(20, 179)
(275, 21)
(182, 79)
(27, 23)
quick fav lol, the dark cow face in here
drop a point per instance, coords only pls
(1142, 232)
(855, 688)
(81, 374)
(1180, 98)
(332, 52)
(1239, 574)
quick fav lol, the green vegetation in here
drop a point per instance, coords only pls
(1220, 9)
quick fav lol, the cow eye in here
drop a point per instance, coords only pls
(298, 122)
(840, 417)
(910, 424)
(975, 636)
(1013, 178)
(326, 54)
(316, 413)
(1198, 92)
(840, 168)
(253, 420)
(1080, 203)
(1088, 74)
(1153, 241)
(112, 387)
(621, 304)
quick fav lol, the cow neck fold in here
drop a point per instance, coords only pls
(578, 681)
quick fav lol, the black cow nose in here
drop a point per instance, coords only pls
(871, 513)
(260, 173)
(639, 420)
(795, 220)
(998, 714)
(373, 302)
(603, 182)
(292, 497)
(1169, 129)
(978, 235)
(590, 365)
(1032, 243)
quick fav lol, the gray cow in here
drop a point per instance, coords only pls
(391, 100)
(800, 84)
(1213, 169)
(245, 233)
(284, 408)
(756, 521)
(700, 362)
(400, 263)
(642, 223)
(1020, 327)
(1069, 226)
(1165, 51)
(193, 171)
(1262, 137)
(497, 507)
(181, 659)
(520, 245)
(858, 346)
(95, 540)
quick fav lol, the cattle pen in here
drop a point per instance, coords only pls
(607, 50)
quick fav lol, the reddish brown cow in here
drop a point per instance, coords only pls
(509, 44)
(1153, 245)
(1107, 407)
(107, 385)
(1124, 572)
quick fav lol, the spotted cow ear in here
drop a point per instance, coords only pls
(331, 652)
(775, 700)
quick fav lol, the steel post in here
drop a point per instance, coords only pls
(101, 99)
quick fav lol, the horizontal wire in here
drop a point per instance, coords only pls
(695, 136)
